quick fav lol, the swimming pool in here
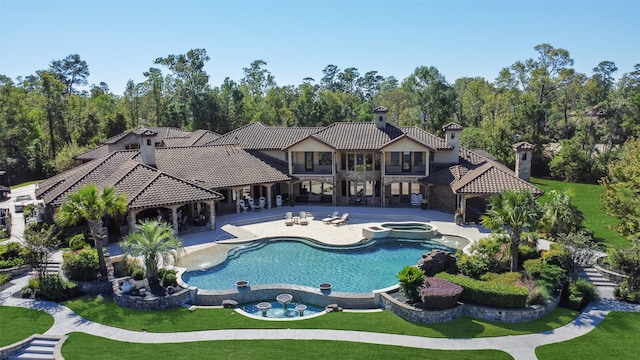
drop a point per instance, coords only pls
(363, 268)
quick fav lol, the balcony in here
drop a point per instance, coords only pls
(397, 170)
(317, 170)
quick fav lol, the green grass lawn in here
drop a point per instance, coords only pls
(180, 319)
(83, 346)
(587, 198)
(18, 323)
(616, 337)
(25, 184)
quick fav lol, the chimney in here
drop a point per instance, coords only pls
(523, 159)
(452, 133)
(147, 147)
(381, 117)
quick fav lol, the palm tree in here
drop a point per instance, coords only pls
(153, 241)
(514, 212)
(560, 216)
(91, 204)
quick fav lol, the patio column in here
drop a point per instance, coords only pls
(237, 200)
(174, 218)
(212, 222)
(269, 186)
(132, 219)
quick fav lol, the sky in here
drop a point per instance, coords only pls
(120, 39)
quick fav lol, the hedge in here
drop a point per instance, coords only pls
(440, 294)
(489, 293)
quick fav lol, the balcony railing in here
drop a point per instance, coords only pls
(317, 170)
(397, 170)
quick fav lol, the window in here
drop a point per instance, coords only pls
(395, 159)
(308, 161)
(148, 142)
(453, 135)
(418, 159)
(324, 158)
(369, 161)
(524, 156)
(377, 162)
(343, 161)
(406, 161)
(359, 162)
(351, 162)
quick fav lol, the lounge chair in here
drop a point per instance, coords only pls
(416, 199)
(242, 204)
(342, 220)
(288, 218)
(332, 217)
(278, 200)
(263, 202)
(302, 219)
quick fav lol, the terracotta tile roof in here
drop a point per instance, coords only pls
(54, 191)
(201, 137)
(452, 126)
(522, 145)
(477, 174)
(261, 137)
(100, 151)
(380, 109)
(148, 187)
(426, 138)
(176, 141)
(217, 166)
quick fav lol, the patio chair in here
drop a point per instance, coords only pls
(342, 220)
(262, 203)
(278, 200)
(252, 204)
(302, 219)
(288, 218)
(330, 218)
(243, 206)
(183, 223)
(416, 199)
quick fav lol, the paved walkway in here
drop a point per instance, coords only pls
(520, 346)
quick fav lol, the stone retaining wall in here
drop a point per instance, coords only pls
(608, 274)
(14, 271)
(418, 315)
(304, 294)
(95, 287)
(150, 301)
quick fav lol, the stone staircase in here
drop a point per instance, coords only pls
(37, 348)
(595, 278)
(53, 268)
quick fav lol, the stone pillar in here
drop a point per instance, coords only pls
(212, 220)
(174, 219)
(269, 186)
(132, 219)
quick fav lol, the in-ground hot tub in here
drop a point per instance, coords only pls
(404, 230)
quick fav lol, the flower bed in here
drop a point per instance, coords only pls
(440, 294)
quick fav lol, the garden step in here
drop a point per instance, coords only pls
(38, 348)
(595, 278)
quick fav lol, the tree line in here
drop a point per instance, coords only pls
(576, 120)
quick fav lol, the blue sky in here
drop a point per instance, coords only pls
(120, 39)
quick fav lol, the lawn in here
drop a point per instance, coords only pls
(83, 346)
(20, 323)
(106, 312)
(616, 337)
(587, 198)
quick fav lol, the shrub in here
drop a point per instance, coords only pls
(508, 278)
(169, 279)
(127, 266)
(411, 279)
(556, 255)
(15, 262)
(82, 265)
(472, 265)
(526, 252)
(55, 288)
(34, 283)
(586, 288)
(138, 274)
(489, 293)
(11, 251)
(4, 278)
(533, 267)
(27, 292)
(552, 277)
(78, 241)
(440, 294)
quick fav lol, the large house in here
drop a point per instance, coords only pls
(188, 177)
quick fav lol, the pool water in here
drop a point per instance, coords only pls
(277, 310)
(291, 261)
